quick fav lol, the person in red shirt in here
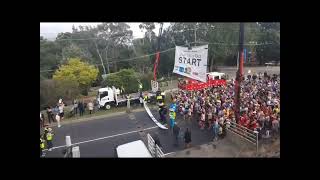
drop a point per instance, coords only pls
(243, 119)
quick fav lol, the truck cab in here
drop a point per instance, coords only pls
(107, 97)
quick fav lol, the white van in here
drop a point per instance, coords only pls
(135, 149)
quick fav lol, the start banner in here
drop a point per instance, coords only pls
(191, 63)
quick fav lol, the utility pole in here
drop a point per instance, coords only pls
(104, 69)
(239, 74)
(157, 54)
(195, 33)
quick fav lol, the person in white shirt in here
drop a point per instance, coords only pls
(61, 112)
(58, 120)
(90, 106)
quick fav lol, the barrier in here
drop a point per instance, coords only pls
(153, 148)
(68, 141)
(245, 133)
(75, 152)
(152, 117)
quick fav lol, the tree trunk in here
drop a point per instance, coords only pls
(115, 67)
(107, 58)
(100, 58)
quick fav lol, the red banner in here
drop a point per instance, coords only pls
(192, 85)
(156, 65)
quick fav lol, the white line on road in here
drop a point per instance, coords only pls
(105, 137)
(169, 153)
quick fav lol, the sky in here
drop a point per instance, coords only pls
(51, 30)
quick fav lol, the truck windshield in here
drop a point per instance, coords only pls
(103, 94)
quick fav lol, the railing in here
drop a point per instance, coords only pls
(153, 148)
(245, 133)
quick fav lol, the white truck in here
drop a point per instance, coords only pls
(110, 96)
(135, 149)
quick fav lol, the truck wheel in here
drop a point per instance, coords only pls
(108, 106)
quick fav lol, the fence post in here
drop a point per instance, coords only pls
(257, 135)
(68, 141)
(155, 150)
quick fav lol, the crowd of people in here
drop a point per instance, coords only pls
(213, 108)
(57, 113)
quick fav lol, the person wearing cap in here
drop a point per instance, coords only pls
(49, 139)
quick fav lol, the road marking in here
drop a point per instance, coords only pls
(168, 153)
(103, 138)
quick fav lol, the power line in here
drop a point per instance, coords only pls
(148, 55)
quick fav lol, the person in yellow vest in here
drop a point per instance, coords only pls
(146, 97)
(163, 94)
(159, 98)
(172, 116)
(49, 139)
(41, 146)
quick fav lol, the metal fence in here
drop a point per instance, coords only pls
(245, 133)
(153, 148)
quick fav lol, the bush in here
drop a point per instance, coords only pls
(146, 81)
(126, 78)
(51, 91)
(48, 94)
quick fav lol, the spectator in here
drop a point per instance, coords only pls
(96, 105)
(141, 99)
(90, 107)
(75, 106)
(187, 138)
(81, 108)
(176, 131)
(50, 114)
(41, 120)
(275, 126)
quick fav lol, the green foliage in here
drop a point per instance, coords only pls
(51, 91)
(49, 57)
(145, 79)
(48, 95)
(78, 72)
(126, 78)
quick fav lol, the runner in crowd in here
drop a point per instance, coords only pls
(259, 97)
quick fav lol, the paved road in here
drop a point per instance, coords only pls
(106, 134)
(114, 131)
